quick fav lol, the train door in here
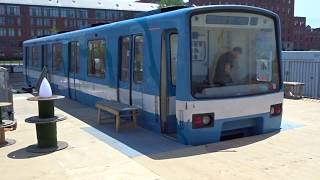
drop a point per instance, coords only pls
(131, 70)
(73, 73)
(168, 82)
(124, 91)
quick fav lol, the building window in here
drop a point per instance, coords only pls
(69, 13)
(100, 14)
(74, 57)
(35, 11)
(96, 59)
(19, 32)
(13, 10)
(34, 57)
(2, 21)
(39, 32)
(125, 58)
(3, 32)
(82, 13)
(39, 22)
(46, 22)
(2, 10)
(11, 32)
(57, 57)
(138, 59)
(18, 21)
(10, 21)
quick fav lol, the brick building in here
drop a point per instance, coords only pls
(20, 20)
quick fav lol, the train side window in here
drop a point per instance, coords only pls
(57, 57)
(173, 55)
(96, 59)
(74, 56)
(34, 56)
(45, 55)
(125, 58)
(138, 59)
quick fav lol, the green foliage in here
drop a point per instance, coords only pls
(167, 3)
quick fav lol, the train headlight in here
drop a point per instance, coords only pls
(206, 120)
(202, 120)
(276, 110)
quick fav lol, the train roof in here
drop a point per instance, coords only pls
(167, 14)
(125, 5)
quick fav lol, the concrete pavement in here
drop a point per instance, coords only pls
(98, 152)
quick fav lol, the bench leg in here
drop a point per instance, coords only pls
(99, 116)
(117, 122)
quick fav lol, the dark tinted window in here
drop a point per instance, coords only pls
(57, 57)
(138, 59)
(125, 58)
(74, 57)
(96, 60)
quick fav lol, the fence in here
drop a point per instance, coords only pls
(303, 67)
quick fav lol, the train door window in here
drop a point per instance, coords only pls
(138, 59)
(34, 57)
(74, 57)
(96, 59)
(45, 55)
(57, 57)
(173, 55)
(125, 58)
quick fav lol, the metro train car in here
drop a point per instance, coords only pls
(167, 62)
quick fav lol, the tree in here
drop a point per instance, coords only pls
(167, 3)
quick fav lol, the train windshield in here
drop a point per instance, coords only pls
(233, 54)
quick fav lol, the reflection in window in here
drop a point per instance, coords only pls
(125, 58)
(173, 56)
(138, 59)
(34, 57)
(74, 57)
(231, 60)
(57, 57)
(96, 60)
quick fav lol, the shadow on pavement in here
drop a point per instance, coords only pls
(24, 154)
(139, 141)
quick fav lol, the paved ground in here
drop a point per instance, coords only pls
(97, 152)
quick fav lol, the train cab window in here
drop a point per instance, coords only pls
(74, 57)
(173, 55)
(125, 58)
(57, 57)
(96, 59)
(138, 59)
(233, 54)
(34, 57)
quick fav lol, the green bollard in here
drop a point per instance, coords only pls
(46, 109)
(46, 133)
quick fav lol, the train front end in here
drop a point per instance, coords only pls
(233, 78)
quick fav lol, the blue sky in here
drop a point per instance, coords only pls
(309, 9)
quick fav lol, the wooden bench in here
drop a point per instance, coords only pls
(117, 109)
(293, 90)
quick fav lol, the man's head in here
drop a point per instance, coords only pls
(237, 51)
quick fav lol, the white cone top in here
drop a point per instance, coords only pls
(45, 89)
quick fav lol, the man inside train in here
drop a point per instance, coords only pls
(225, 66)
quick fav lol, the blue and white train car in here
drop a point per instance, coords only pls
(166, 64)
